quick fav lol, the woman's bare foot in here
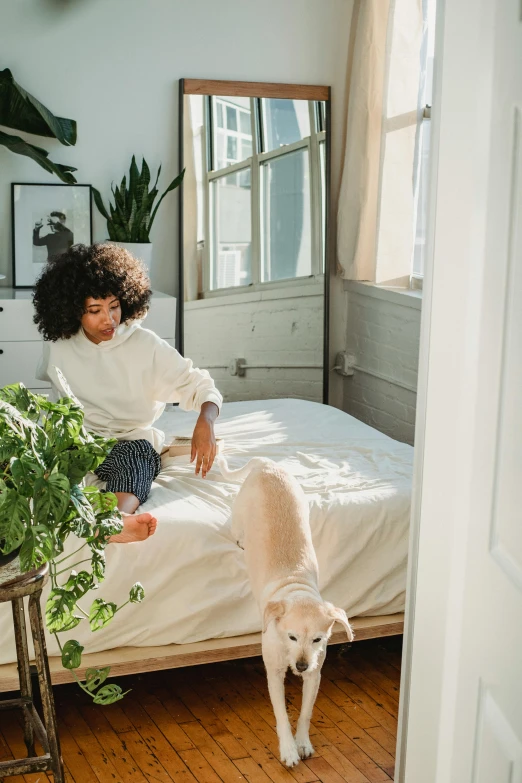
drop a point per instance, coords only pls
(136, 527)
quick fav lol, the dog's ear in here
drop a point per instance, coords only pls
(340, 615)
(274, 610)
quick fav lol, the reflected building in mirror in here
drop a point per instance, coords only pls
(254, 237)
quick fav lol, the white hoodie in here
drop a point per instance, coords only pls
(124, 383)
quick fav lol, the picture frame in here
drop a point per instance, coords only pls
(47, 219)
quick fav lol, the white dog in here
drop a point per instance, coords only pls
(270, 520)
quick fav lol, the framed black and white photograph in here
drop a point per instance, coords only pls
(47, 221)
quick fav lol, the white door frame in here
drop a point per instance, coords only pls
(449, 356)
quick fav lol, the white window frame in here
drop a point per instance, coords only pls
(416, 277)
(255, 164)
(429, 7)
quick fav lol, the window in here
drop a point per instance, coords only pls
(232, 132)
(284, 122)
(265, 191)
(231, 231)
(422, 184)
(286, 240)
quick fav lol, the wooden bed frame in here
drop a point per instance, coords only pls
(134, 660)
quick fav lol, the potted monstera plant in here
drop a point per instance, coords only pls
(130, 218)
(45, 454)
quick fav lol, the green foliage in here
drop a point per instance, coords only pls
(22, 111)
(137, 593)
(72, 654)
(131, 216)
(45, 453)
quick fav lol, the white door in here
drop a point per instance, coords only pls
(462, 707)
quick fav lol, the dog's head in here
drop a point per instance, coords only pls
(303, 628)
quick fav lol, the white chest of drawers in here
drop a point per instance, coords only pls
(21, 343)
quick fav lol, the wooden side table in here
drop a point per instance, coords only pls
(14, 586)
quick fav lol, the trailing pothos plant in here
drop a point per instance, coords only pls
(45, 453)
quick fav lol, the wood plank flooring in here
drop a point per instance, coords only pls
(214, 724)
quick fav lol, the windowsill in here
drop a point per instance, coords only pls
(287, 289)
(406, 297)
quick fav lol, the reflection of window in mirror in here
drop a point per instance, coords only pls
(284, 122)
(232, 131)
(264, 191)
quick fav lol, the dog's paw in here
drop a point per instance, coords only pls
(288, 753)
(304, 747)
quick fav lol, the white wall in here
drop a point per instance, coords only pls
(383, 333)
(277, 327)
(113, 65)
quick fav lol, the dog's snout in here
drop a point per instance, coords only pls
(301, 666)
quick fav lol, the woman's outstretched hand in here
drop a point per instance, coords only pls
(203, 439)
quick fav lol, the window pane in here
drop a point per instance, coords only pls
(422, 201)
(244, 178)
(219, 115)
(231, 263)
(287, 250)
(246, 149)
(220, 150)
(232, 149)
(231, 132)
(231, 118)
(284, 122)
(245, 122)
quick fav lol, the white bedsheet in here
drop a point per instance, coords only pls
(358, 482)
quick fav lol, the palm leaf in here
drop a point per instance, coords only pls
(22, 111)
(20, 147)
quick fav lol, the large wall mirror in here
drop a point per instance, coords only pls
(253, 288)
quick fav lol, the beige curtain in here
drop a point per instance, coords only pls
(376, 202)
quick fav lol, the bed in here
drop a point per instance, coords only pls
(198, 604)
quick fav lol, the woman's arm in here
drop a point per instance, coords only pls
(177, 380)
(203, 439)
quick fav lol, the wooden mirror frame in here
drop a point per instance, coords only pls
(304, 92)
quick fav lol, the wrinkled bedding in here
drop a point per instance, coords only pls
(358, 482)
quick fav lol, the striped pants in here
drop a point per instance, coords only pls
(131, 466)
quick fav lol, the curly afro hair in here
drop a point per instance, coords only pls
(97, 271)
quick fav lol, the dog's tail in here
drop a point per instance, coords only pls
(241, 473)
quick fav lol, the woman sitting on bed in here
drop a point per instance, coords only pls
(88, 303)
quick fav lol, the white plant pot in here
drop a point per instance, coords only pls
(141, 250)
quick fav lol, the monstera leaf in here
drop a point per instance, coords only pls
(22, 111)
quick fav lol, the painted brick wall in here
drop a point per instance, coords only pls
(383, 328)
(278, 327)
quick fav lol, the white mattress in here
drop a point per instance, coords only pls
(358, 482)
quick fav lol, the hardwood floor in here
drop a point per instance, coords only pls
(214, 724)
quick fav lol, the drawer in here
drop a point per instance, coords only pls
(16, 320)
(161, 317)
(18, 363)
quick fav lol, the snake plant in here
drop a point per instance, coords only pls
(21, 111)
(45, 453)
(131, 216)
